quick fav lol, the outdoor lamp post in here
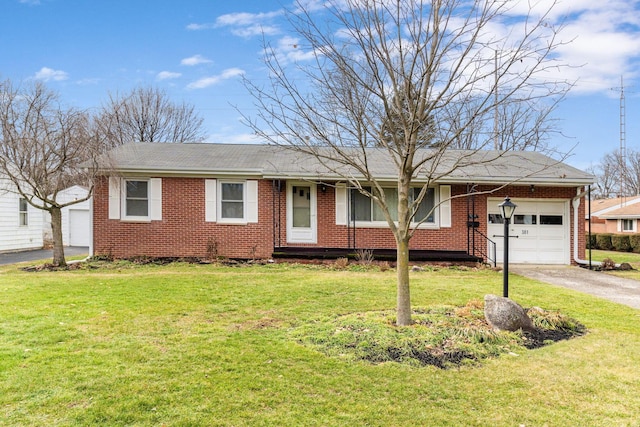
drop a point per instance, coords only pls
(507, 208)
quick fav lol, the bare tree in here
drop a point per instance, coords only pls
(607, 173)
(148, 115)
(617, 176)
(403, 76)
(42, 148)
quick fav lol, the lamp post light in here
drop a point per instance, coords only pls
(507, 207)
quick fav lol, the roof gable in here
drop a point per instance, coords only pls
(601, 207)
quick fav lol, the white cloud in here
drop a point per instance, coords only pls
(167, 75)
(195, 60)
(47, 74)
(213, 80)
(602, 40)
(250, 24)
(199, 27)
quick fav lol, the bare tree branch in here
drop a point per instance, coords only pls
(44, 149)
(147, 114)
(413, 79)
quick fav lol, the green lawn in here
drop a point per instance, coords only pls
(191, 345)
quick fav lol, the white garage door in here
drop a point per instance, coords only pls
(78, 227)
(539, 231)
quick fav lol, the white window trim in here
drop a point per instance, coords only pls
(240, 221)
(344, 193)
(123, 201)
(118, 202)
(633, 225)
(21, 212)
(213, 201)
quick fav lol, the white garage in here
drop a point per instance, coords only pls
(76, 227)
(539, 231)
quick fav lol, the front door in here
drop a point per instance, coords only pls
(301, 213)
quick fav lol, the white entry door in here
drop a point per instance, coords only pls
(302, 224)
(539, 231)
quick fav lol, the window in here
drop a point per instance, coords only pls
(23, 208)
(627, 225)
(232, 200)
(495, 219)
(364, 209)
(426, 209)
(550, 219)
(301, 206)
(360, 206)
(525, 219)
(137, 199)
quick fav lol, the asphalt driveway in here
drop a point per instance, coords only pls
(40, 254)
(612, 288)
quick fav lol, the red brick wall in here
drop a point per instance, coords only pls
(183, 232)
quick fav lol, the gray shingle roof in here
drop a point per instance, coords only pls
(267, 161)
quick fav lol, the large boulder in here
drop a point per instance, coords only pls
(505, 314)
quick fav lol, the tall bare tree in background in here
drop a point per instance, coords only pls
(616, 176)
(147, 114)
(42, 148)
(413, 78)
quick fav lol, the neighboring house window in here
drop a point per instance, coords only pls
(136, 199)
(24, 211)
(364, 209)
(627, 225)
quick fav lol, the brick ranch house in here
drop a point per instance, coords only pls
(260, 201)
(616, 216)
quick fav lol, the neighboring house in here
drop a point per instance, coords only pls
(20, 223)
(76, 223)
(619, 215)
(259, 201)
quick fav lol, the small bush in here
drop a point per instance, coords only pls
(634, 241)
(341, 263)
(384, 266)
(603, 242)
(364, 256)
(621, 242)
(591, 241)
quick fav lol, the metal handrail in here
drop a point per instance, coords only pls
(483, 252)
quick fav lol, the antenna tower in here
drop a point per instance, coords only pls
(623, 140)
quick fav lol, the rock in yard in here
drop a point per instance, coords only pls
(505, 314)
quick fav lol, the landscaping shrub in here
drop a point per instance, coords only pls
(634, 241)
(621, 242)
(591, 241)
(603, 242)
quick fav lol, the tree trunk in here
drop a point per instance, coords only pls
(56, 231)
(403, 292)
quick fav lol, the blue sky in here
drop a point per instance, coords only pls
(197, 50)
